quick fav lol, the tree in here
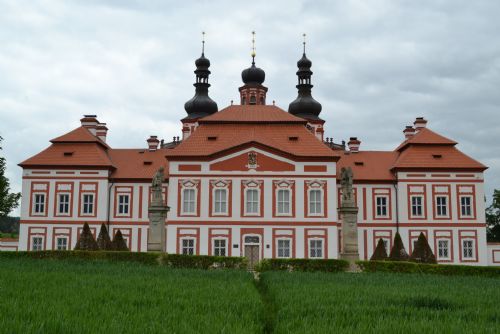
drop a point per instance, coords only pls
(422, 252)
(493, 218)
(103, 240)
(119, 243)
(398, 252)
(380, 253)
(86, 241)
(8, 201)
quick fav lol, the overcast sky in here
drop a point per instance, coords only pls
(377, 65)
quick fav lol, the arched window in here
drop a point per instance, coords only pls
(243, 100)
(253, 100)
(262, 100)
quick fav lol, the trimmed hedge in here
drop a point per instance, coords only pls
(424, 268)
(325, 265)
(150, 258)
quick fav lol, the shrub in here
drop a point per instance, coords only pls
(380, 253)
(438, 269)
(325, 265)
(422, 252)
(203, 261)
(119, 243)
(103, 240)
(398, 252)
(86, 240)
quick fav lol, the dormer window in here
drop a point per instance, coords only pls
(437, 156)
(68, 154)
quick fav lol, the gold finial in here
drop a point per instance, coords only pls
(253, 44)
(202, 42)
(304, 35)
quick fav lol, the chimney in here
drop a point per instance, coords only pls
(419, 123)
(90, 122)
(409, 131)
(102, 131)
(353, 144)
(153, 143)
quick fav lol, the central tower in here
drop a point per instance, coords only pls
(253, 92)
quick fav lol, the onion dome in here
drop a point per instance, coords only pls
(305, 105)
(201, 104)
(253, 74)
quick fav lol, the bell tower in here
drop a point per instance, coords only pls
(253, 92)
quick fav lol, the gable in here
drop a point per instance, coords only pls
(252, 160)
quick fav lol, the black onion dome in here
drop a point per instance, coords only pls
(253, 75)
(304, 62)
(202, 62)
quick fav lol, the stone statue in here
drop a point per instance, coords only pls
(346, 179)
(157, 214)
(157, 187)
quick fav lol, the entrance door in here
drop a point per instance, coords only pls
(252, 254)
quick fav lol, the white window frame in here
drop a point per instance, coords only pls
(311, 240)
(447, 248)
(123, 206)
(472, 249)
(183, 203)
(38, 246)
(470, 205)
(290, 247)
(59, 203)
(382, 207)
(439, 206)
(92, 204)
(214, 247)
(321, 202)
(39, 205)
(247, 213)
(221, 201)
(421, 205)
(289, 202)
(65, 245)
(188, 247)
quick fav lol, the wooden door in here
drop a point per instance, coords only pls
(252, 255)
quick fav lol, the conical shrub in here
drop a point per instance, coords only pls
(103, 240)
(86, 240)
(119, 243)
(380, 254)
(398, 252)
(423, 252)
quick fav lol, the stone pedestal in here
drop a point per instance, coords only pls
(349, 247)
(157, 232)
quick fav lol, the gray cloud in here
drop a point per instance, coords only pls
(377, 65)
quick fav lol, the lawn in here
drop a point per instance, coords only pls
(55, 296)
(381, 303)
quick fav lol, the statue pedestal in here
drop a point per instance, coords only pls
(348, 213)
(157, 232)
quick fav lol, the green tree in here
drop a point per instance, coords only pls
(493, 218)
(8, 201)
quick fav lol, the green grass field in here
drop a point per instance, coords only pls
(55, 296)
(74, 296)
(382, 303)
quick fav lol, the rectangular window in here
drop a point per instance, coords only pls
(252, 201)
(283, 201)
(37, 243)
(188, 246)
(220, 247)
(468, 249)
(188, 203)
(284, 248)
(316, 248)
(442, 206)
(220, 201)
(123, 204)
(381, 202)
(88, 204)
(315, 202)
(466, 206)
(63, 204)
(62, 243)
(443, 249)
(39, 206)
(417, 206)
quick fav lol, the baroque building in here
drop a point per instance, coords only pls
(255, 180)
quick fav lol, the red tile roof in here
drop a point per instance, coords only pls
(137, 163)
(252, 114)
(369, 165)
(426, 137)
(275, 136)
(79, 135)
